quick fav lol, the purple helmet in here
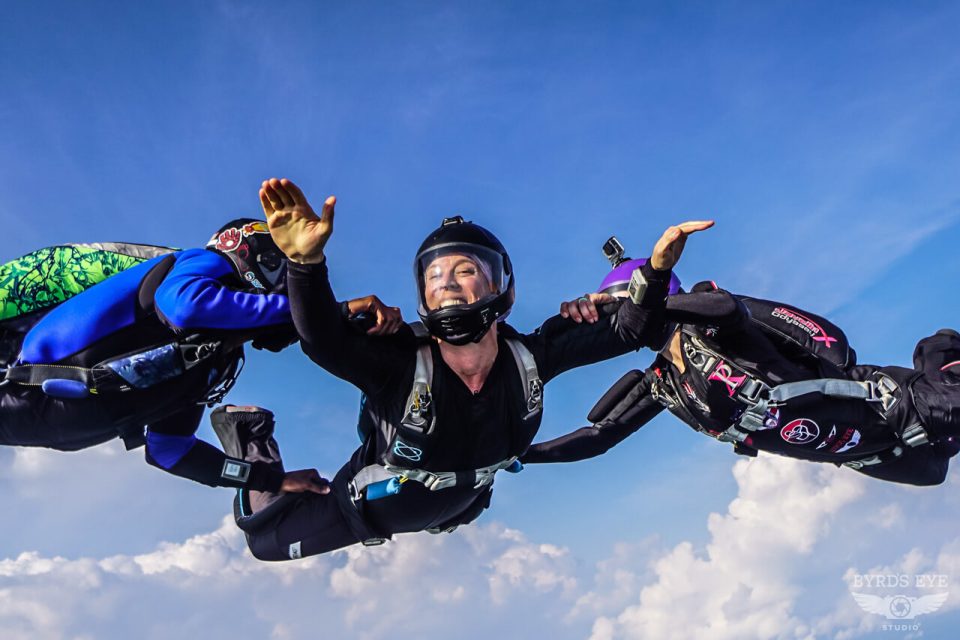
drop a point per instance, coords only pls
(619, 278)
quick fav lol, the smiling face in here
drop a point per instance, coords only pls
(452, 280)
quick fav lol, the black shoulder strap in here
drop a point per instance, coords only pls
(150, 282)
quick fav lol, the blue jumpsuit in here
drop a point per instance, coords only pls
(186, 293)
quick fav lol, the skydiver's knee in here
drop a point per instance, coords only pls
(264, 547)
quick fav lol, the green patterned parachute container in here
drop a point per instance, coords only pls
(38, 281)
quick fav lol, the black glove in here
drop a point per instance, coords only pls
(276, 340)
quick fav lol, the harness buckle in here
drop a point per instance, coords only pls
(885, 389)
(419, 410)
(752, 391)
(438, 530)
(373, 542)
(535, 403)
(194, 354)
(660, 395)
(732, 434)
(484, 477)
(699, 359)
(915, 435)
(437, 481)
(751, 421)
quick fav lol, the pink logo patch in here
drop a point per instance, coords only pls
(724, 373)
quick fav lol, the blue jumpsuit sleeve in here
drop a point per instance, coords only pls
(172, 446)
(192, 297)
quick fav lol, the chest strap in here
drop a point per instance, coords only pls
(377, 481)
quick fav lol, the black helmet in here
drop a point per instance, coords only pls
(246, 242)
(464, 322)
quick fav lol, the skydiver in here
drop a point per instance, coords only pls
(767, 376)
(443, 411)
(139, 356)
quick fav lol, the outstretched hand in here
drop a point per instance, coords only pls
(297, 230)
(388, 319)
(666, 253)
(584, 308)
(305, 480)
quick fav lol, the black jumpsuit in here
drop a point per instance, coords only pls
(473, 430)
(811, 427)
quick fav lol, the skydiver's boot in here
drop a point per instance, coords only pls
(939, 353)
(247, 433)
(936, 393)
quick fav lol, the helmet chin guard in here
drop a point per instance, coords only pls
(464, 323)
(467, 323)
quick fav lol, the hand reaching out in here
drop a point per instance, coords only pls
(584, 308)
(297, 230)
(666, 253)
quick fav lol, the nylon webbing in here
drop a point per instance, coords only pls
(532, 386)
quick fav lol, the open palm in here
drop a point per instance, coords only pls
(299, 232)
(666, 253)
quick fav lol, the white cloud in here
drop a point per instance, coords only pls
(774, 567)
(780, 561)
(426, 584)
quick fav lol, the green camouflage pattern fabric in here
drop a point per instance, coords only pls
(48, 276)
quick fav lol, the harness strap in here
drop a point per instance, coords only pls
(532, 385)
(762, 397)
(377, 480)
(138, 370)
(380, 480)
(418, 415)
(759, 397)
(225, 382)
(36, 374)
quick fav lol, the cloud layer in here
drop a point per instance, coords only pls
(777, 565)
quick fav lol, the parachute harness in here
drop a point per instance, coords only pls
(377, 481)
(138, 370)
(883, 393)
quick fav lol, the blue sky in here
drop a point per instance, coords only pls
(822, 137)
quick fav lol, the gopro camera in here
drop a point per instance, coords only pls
(613, 251)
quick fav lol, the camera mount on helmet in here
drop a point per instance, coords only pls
(618, 280)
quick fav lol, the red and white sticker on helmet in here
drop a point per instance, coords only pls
(230, 239)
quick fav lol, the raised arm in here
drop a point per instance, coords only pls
(365, 360)
(638, 322)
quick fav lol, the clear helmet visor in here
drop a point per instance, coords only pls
(456, 274)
